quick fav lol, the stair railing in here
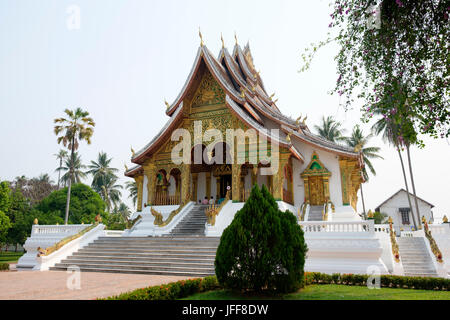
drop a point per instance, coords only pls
(213, 210)
(434, 247)
(159, 218)
(394, 243)
(63, 242)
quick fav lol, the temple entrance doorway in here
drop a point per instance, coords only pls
(316, 192)
(225, 181)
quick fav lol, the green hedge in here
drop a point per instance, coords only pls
(171, 291)
(186, 288)
(4, 266)
(387, 281)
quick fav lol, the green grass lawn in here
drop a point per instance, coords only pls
(10, 257)
(332, 292)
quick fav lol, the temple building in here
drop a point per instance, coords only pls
(224, 135)
(228, 93)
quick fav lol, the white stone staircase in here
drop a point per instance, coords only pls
(166, 255)
(415, 257)
(315, 213)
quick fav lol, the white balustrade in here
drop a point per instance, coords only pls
(58, 229)
(384, 228)
(439, 228)
(333, 226)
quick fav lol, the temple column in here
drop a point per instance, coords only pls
(150, 173)
(208, 185)
(277, 177)
(306, 188)
(217, 188)
(326, 188)
(140, 185)
(194, 187)
(236, 176)
(254, 175)
(185, 183)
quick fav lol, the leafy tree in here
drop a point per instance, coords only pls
(34, 189)
(78, 127)
(402, 41)
(60, 156)
(379, 218)
(359, 142)
(118, 218)
(5, 199)
(262, 249)
(85, 204)
(330, 129)
(5, 225)
(132, 188)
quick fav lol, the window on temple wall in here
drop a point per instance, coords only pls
(405, 215)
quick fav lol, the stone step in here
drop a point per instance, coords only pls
(132, 271)
(138, 267)
(211, 255)
(160, 259)
(154, 247)
(162, 251)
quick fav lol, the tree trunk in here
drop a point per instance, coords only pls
(70, 184)
(413, 186)
(407, 189)
(362, 200)
(59, 172)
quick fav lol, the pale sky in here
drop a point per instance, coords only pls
(128, 56)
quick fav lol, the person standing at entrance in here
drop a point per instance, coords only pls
(211, 201)
(205, 201)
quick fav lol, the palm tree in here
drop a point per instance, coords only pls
(72, 170)
(100, 169)
(359, 141)
(390, 133)
(109, 191)
(132, 188)
(330, 129)
(123, 210)
(61, 156)
(70, 132)
(44, 177)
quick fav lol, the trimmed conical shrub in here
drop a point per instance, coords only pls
(263, 249)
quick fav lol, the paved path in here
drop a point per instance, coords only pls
(52, 285)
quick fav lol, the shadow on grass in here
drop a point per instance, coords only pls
(329, 292)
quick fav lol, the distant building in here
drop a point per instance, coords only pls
(397, 207)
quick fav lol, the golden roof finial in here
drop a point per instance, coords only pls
(35, 221)
(275, 101)
(242, 93)
(221, 39)
(201, 37)
(126, 167)
(297, 121)
(166, 103)
(445, 219)
(132, 151)
(304, 120)
(273, 94)
(235, 37)
(253, 88)
(288, 138)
